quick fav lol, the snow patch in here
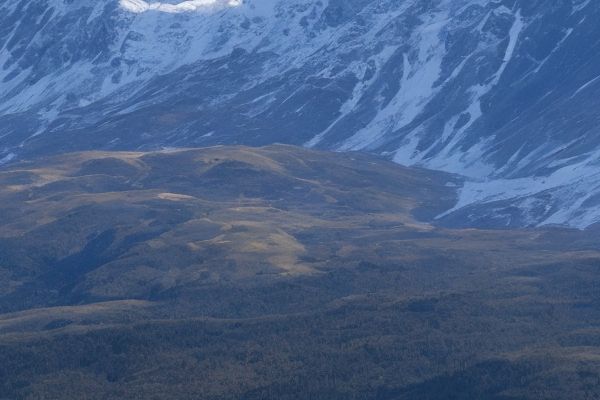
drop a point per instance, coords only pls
(570, 186)
(417, 86)
(140, 6)
(7, 158)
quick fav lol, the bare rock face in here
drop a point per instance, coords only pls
(502, 92)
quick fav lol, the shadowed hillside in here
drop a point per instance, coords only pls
(280, 273)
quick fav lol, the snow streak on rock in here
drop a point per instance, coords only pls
(139, 6)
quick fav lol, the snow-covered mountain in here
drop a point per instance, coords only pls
(504, 92)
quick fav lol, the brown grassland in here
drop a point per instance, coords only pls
(280, 273)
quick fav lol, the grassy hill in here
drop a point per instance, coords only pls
(280, 273)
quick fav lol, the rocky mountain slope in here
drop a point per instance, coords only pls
(502, 92)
